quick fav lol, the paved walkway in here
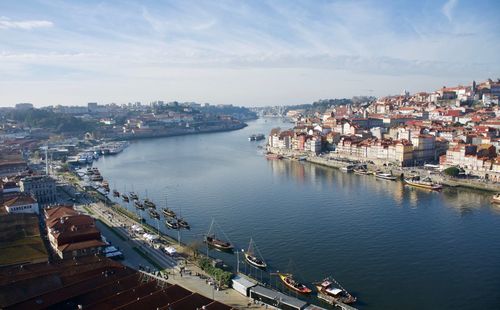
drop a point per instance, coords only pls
(188, 279)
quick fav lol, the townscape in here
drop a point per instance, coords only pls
(213, 155)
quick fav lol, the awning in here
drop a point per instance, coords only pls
(170, 250)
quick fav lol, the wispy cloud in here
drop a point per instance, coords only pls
(6, 23)
(448, 7)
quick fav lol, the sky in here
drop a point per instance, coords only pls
(251, 53)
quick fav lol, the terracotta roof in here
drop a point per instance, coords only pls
(21, 199)
(80, 245)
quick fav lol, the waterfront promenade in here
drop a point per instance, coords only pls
(115, 227)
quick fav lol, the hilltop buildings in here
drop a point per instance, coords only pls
(453, 126)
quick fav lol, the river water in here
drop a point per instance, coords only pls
(392, 246)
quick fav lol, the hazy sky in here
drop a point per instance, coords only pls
(240, 52)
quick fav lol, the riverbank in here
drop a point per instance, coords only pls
(172, 132)
(439, 177)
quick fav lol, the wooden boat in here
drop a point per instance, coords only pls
(496, 199)
(149, 204)
(138, 205)
(133, 196)
(169, 212)
(182, 223)
(361, 171)
(153, 214)
(218, 243)
(289, 282)
(425, 183)
(171, 224)
(332, 292)
(386, 176)
(125, 198)
(273, 156)
(251, 258)
(116, 193)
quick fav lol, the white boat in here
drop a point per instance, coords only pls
(386, 176)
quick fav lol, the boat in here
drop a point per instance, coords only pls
(289, 281)
(273, 156)
(386, 176)
(251, 258)
(96, 177)
(125, 198)
(154, 214)
(218, 243)
(116, 193)
(332, 292)
(496, 198)
(138, 205)
(259, 137)
(133, 196)
(252, 138)
(171, 224)
(182, 223)
(169, 212)
(349, 168)
(361, 171)
(425, 183)
(149, 204)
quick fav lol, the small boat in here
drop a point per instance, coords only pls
(386, 176)
(183, 224)
(133, 196)
(252, 259)
(333, 292)
(149, 204)
(116, 193)
(96, 178)
(259, 137)
(125, 198)
(273, 156)
(349, 168)
(218, 243)
(361, 171)
(169, 212)
(154, 214)
(425, 183)
(252, 138)
(294, 285)
(139, 205)
(89, 171)
(496, 198)
(171, 224)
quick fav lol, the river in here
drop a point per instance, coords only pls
(392, 246)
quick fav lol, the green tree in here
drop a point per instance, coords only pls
(452, 171)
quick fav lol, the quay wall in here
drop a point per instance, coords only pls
(337, 162)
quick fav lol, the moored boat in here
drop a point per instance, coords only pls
(153, 214)
(149, 204)
(296, 286)
(496, 199)
(251, 258)
(349, 168)
(133, 196)
(138, 205)
(125, 198)
(273, 156)
(218, 243)
(386, 176)
(425, 183)
(171, 224)
(332, 292)
(361, 171)
(116, 193)
(169, 212)
(182, 223)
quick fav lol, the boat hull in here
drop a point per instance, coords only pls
(248, 258)
(302, 290)
(434, 187)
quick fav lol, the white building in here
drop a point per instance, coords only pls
(21, 204)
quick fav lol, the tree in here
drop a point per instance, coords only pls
(452, 171)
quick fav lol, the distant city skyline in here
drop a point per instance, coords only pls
(250, 53)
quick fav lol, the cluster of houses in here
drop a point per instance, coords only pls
(453, 126)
